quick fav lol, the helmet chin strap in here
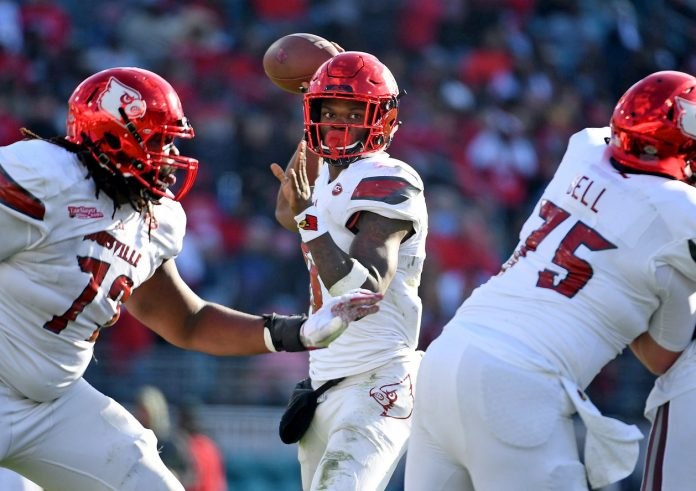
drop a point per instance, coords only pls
(343, 161)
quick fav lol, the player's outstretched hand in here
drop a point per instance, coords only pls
(294, 184)
(333, 317)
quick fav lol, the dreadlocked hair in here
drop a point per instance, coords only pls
(120, 189)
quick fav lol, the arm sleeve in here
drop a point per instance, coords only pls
(672, 324)
(15, 234)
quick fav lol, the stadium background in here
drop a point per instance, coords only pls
(495, 88)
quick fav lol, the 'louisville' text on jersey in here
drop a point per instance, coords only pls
(105, 239)
(581, 190)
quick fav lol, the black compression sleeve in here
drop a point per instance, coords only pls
(285, 331)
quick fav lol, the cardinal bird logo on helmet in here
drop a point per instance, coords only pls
(118, 95)
(388, 396)
(688, 116)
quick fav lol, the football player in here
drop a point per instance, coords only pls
(671, 402)
(364, 224)
(607, 259)
(89, 222)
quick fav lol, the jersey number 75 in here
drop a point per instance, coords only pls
(579, 270)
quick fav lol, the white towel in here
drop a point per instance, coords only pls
(611, 446)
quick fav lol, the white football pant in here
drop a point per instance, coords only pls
(82, 441)
(485, 425)
(360, 429)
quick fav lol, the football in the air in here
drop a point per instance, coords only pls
(294, 58)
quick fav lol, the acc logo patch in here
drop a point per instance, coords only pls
(118, 95)
(396, 399)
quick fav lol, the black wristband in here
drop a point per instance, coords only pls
(285, 331)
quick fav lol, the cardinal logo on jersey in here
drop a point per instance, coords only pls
(309, 222)
(117, 95)
(337, 189)
(396, 399)
(687, 121)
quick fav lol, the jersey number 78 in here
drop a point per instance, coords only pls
(119, 291)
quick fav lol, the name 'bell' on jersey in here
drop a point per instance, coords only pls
(80, 262)
(594, 272)
(391, 188)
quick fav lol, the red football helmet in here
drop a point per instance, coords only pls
(352, 75)
(654, 125)
(128, 119)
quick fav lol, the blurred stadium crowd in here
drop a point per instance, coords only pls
(495, 88)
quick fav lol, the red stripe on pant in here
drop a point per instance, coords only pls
(655, 454)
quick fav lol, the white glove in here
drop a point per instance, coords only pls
(329, 322)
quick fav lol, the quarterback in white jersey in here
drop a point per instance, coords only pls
(607, 259)
(364, 225)
(392, 189)
(91, 221)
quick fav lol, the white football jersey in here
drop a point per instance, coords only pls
(391, 188)
(594, 264)
(679, 379)
(70, 280)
